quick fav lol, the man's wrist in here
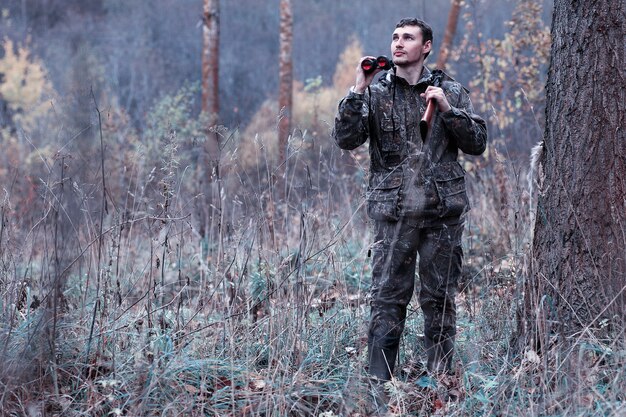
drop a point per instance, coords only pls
(356, 90)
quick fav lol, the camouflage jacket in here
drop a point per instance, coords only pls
(411, 178)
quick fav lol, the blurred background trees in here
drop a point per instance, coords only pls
(204, 76)
(142, 51)
(158, 76)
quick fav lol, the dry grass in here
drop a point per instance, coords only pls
(142, 316)
(148, 292)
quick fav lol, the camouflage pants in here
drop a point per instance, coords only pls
(395, 251)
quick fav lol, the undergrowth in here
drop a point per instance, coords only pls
(115, 302)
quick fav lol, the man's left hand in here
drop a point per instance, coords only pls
(436, 93)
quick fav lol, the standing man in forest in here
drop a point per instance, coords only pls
(416, 195)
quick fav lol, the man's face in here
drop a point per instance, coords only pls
(407, 46)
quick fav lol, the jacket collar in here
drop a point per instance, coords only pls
(424, 79)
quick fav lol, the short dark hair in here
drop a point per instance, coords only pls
(427, 31)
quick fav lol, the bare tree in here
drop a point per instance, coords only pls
(285, 96)
(578, 272)
(208, 171)
(448, 37)
(210, 69)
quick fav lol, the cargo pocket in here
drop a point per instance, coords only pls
(450, 183)
(383, 195)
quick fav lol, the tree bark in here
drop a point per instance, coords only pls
(210, 57)
(578, 270)
(210, 70)
(448, 37)
(208, 168)
(285, 95)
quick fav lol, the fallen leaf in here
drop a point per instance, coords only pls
(191, 389)
(258, 384)
(532, 357)
(438, 405)
(350, 350)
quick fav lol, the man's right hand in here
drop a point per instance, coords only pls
(363, 80)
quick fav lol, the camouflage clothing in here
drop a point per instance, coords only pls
(417, 198)
(393, 277)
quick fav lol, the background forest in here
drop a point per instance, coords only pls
(135, 280)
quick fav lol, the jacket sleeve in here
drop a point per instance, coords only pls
(351, 122)
(468, 129)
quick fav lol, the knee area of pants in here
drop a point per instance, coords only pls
(384, 342)
(440, 336)
(438, 306)
(388, 333)
(385, 309)
(437, 325)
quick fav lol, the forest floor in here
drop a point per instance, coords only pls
(140, 312)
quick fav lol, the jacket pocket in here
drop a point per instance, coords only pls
(391, 135)
(383, 194)
(450, 183)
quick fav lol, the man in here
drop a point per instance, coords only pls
(416, 195)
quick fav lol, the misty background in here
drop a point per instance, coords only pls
(138, 51)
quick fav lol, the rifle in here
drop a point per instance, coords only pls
(435, 80)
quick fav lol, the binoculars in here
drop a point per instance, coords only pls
(368, 64)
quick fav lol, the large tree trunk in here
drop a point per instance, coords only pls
(448, 37)
(285, 95)
(578, 272)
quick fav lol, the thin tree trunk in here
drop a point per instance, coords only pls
(210, 70)
(453, 19)
(578, 273)
(285, 96)
(208, 170)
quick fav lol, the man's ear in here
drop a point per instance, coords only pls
(428, 46)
